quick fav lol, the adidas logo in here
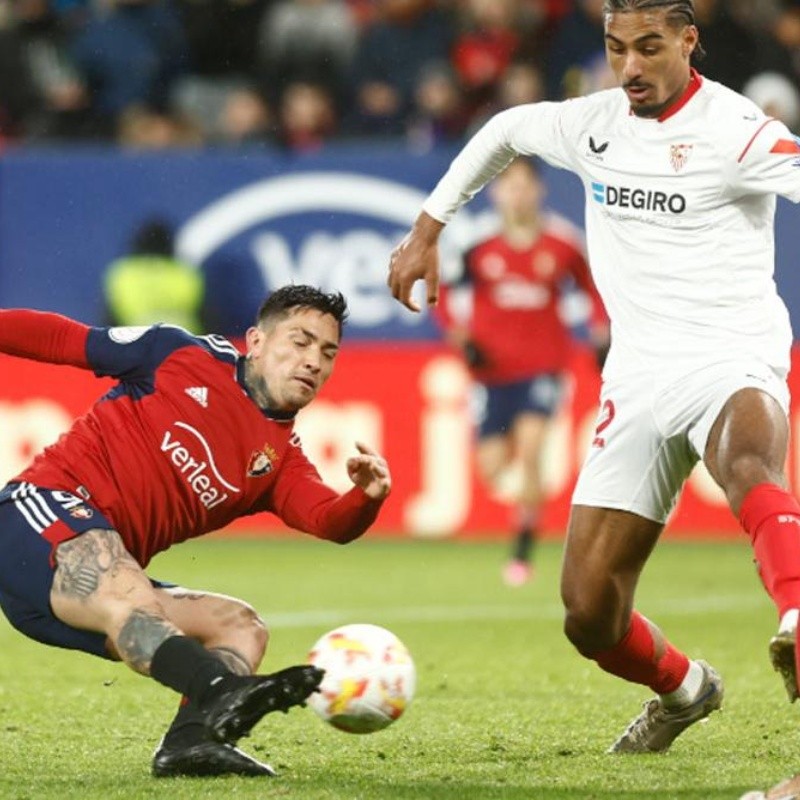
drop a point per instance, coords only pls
(199, 394)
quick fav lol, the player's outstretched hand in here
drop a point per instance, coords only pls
(416, 258)
(370, 471)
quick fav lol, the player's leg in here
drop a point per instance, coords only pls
(639, 459)
(605, 553)
(233, 631)
(528, 434)
(493, 455)
(494, 417)
(97, 585)
(745, 454)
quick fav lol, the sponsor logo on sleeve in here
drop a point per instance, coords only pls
(127, 334)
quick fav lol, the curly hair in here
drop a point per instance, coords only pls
(286, 300)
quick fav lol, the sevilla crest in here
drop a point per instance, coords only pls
(679, 155)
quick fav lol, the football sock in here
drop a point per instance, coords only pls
(688, 690)
(188, 726)
(634, 659)
(186, 666)
(523, 545)
(788, 623)
(771, 517)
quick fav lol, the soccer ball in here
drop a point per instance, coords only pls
(369, 678)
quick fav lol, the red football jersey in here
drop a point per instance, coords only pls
(512, 313)
(177, 448)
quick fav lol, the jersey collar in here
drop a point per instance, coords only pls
(695, 82)
(278, 416)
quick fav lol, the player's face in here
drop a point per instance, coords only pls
(293, 357)
(649, 58)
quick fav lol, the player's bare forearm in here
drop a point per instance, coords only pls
(415, 258)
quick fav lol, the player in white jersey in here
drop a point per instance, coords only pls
(681, 176)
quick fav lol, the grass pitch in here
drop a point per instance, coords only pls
(504, 709)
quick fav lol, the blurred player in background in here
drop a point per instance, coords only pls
(193, 436)
(503, 314)
(681, 177)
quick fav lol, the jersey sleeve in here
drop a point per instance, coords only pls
(134, 353)
(304, 502)
(768, 162)
(43, 336)
(534, 129)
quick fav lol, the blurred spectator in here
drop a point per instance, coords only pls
(62, 97)
(391, 56)
(439, 115)
(522, 83)
(245, 118)
(307, 117)
(758, 15)
(128, 54)
(493, 36)
(307, 40)
(786, 31)
(159, 73)
(19, 101)
(732, 51)
(219, 94)
(224, 111)
(140, 127)
(221, 36)
(777, 97)
(576, 62)
(151, 285)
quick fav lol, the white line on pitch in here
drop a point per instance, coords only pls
(335, 616)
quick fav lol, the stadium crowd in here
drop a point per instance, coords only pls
(298, 73)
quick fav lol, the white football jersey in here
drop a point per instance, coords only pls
(679, 217)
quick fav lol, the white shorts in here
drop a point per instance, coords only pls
(651, 433)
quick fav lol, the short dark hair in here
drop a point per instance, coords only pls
(679, 12)
(284, 301)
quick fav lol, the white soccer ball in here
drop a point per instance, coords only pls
(369, 678)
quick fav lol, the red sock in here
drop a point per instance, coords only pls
(633, 658)
(771, 517)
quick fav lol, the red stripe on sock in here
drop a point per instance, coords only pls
(633, 658)
(771, 517)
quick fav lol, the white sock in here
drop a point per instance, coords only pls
(687, 692)
(789, 621)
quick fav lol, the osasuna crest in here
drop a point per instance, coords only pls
(261, 462)
(679, 155)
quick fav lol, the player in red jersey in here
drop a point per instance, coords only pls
(507, 296)
(192, 436)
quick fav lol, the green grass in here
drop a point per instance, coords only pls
(504, 708)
